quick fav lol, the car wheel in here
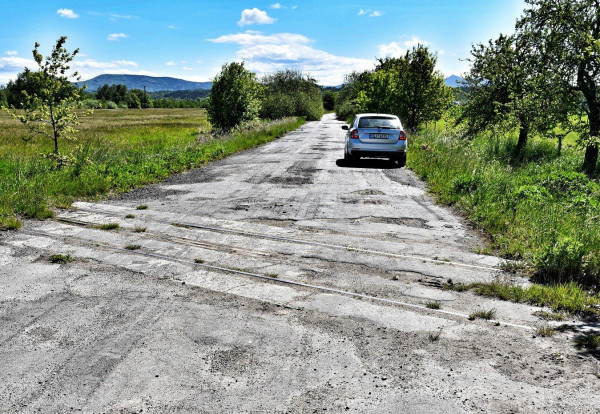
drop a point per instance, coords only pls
(401, 160)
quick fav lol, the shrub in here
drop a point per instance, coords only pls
(291, 93)
(234, 97)
(91, 104)
(329, 100)
(110, 105)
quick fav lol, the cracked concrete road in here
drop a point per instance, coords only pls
(350, 257)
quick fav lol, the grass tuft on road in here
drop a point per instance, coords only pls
(117, 150)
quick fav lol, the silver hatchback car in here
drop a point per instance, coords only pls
(377, 136)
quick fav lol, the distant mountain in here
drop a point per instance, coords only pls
(454, 81)
(153, 84)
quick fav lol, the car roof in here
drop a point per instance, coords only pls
(380, 115)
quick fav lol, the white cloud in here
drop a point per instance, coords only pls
(375, 13)
(171, 63)
(391, 50)
(361, 12)
(115, 17)
(395, 49)
(172, 26)
(198, 61)
(276, 6)
(126, 63)
(68, 13)
(414, 41)
(11, 52)
(117, 36)
(255, 16)
(187, 68)
(269, 53)
(94, 64)
(294, 7)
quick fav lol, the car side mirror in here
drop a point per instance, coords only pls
(345, 127)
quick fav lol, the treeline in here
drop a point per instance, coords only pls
(237, 96)
(118, 96)
(408, 86)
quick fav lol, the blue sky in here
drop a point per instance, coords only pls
(192, 39)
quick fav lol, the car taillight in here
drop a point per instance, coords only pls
(402, 136)
(354, 134)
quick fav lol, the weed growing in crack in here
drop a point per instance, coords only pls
(142, 207)
(198, 261)
(487, 315)
(130, 216)
(544, 331)
(433, 305)
(434, 336)
(60, 258)
(138, 229)
(107, 226)
(133, 247)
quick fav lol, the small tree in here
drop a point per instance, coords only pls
(235, 96)
(291, 93)
(409, 87)
(562, 43)
(49, 109)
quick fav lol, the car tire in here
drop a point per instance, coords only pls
(401, 160)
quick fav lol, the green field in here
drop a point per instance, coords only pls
(115, 150)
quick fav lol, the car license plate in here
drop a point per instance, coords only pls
(379, 136)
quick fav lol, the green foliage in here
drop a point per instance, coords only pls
(114, 93)
(61, 259)
(137, 98)
(49, 109)
(3, 96)
(291, 93)
(408, 87)
(235, 97)
(559, 41)
(329, 98)
(541, 211)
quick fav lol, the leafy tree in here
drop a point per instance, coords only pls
(138, 95)
(26, 82)
(562, 39)
(329, 100)
(235, 96)
(291, 93)
(49, 109)
(408, 86)
(346, 105)
(115, 93)
(3, 95)
(504, 93)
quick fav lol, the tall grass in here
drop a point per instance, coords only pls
(536, 207)
(117, 150)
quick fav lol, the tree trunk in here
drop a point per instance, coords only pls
(590, 159)
(591, 151)
(523, 134)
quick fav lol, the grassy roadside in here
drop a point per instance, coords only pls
(537, 208)
(116, 151)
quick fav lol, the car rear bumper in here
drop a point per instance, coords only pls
(376, 150)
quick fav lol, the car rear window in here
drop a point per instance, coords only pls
(378, 122)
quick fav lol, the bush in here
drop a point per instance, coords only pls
(291, 93)
(110, 105)
(346, 111)
(234, 97)
(329, 100)
(91, 104)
